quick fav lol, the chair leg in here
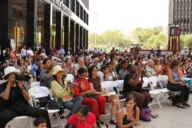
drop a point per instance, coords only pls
(158, 101)
(59, 120)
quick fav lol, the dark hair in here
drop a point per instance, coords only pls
(129, 98)
(90, 70)
(39, 120)
(129, 66)
(107, 64)
(103, 68)
(174, 63)
(123, 62)
(84, 110)
(81, 71)
(70, 126)
(45, 60)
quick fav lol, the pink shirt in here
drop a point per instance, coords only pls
(87, 123)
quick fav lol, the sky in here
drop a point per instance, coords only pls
(126, 15)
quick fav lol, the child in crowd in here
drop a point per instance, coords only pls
(40, 122)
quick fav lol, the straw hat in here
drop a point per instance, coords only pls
(56, 69)
(10, 69)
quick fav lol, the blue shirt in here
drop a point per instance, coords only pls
(34, 68)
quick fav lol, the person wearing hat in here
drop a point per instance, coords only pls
(64, 90)
(14, 100)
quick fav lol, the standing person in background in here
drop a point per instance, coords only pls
(29, 51)
(23, 51)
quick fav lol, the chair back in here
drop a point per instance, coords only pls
(153, 81)
(120, 84)
(145, 82)
(108, 85)
(35, 84)
(40, 91)
(70, 76)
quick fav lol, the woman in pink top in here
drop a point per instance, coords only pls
(83, 118)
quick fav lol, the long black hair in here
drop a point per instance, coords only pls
(90, 70)
(81, 71)
(129, 98)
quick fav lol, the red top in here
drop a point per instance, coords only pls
(79, 89)
(87, 123)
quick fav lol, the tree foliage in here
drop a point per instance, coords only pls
(186, 40)
(150, 38)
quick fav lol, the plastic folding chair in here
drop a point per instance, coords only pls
(35, 84)
(119, 88)
(153, 82)
(13, 123)
(32, 99)
(70, 77)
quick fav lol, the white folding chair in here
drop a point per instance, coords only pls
(35, 93)
(153, 82)
(70, 77)
(15, 124)
(119, 88)
(108, 86)
(35, 84)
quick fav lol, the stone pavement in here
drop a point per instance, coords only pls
(168, 117)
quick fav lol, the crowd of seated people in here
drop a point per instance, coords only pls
(90, 69)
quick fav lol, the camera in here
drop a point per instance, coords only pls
(22, 78)
(72, 83)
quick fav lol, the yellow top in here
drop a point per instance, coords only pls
(65, 93)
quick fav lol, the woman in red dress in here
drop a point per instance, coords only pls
(96, 104)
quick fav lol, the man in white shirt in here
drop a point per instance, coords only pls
(29, 51)
(96, 63)
(150, 71)
(23, 51)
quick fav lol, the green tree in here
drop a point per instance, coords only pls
(157, 30)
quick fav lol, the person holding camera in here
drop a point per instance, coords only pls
(64, 90)
(132, 85)
(175, 83)
(14, 100)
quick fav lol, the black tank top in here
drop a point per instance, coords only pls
(125, 121)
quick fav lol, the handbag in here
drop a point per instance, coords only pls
(91, 96)
(55, 104)
(145, 114)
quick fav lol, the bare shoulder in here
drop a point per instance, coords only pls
(120, 111)
(137, 109)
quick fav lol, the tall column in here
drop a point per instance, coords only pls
(72, 44)
(87, 38)
(81, 37)
(66, 33)
(84, 43)
(5, 23)
(58, 30)
(47, 27)
(77, 37)
(31, 23)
